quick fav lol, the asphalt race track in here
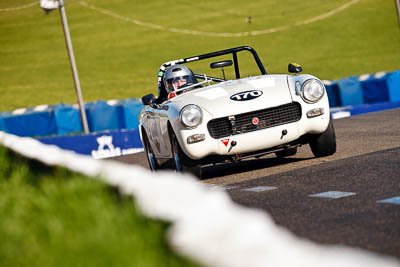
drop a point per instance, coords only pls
(364, 171)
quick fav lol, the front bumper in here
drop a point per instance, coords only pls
(255, 140)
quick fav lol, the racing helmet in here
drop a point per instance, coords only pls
(178, 76)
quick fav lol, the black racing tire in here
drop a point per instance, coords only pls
(151, 159)
(181, 162)
(324, 144)
(286, 153)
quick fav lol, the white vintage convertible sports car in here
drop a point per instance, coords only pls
(231, 118)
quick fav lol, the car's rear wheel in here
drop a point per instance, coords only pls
(151, 159)
(324, 144)
(181, 162)
(286, 153)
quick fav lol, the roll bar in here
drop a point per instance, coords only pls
(232, 51)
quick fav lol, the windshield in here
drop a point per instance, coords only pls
(218, 67)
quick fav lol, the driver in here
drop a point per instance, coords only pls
(177, 77)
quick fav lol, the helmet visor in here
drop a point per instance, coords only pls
(179, 82)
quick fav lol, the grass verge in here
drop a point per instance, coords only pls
(118, 59)
(53, 217)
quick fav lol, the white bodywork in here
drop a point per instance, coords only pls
(215, 102)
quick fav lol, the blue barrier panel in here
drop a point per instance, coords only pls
(361, 109)
(373, 107)
(393, 81)
(132, 108)
(375, 90)
(102, 116)
(2, 124)
(350, 91)
(68, 119)
(31, 124)
(99, 145)
(332, 89)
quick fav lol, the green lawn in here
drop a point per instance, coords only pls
(53, 217)
(117, 58)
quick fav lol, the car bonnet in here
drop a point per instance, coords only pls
(238, 96)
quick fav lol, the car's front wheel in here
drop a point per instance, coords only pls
(181, 162)
(324, 144)
(151, 159)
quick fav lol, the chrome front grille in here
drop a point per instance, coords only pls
(255, 120)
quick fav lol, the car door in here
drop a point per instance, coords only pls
(156, 121)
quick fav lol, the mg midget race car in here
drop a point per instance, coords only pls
(226, 113)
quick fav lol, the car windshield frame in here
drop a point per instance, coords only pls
(233, 51)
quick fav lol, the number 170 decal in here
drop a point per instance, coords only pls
(247, 95)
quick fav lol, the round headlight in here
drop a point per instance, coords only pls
(312, 90)
(191, 116)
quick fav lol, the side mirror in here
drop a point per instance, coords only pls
(295, 68)
(221, 64)
(148, 99)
